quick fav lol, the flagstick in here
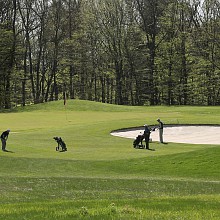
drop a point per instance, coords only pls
(65, 113)
(64, 102)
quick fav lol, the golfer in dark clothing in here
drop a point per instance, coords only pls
(147, 131)
(4, 137)
(160, 127)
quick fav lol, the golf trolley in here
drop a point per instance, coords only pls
(138, 142)
(61, 144)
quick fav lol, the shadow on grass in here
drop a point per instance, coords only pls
(8, 151)
(61, 151)
(143, 148)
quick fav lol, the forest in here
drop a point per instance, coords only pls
(124, 52)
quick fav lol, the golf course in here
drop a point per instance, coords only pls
(101, 176)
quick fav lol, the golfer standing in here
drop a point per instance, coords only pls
(4, 137)
(160, 127)
(147, 131)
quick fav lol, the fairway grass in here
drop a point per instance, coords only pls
(102, 176)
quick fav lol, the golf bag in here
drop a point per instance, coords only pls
(138, 141)
(61, 144)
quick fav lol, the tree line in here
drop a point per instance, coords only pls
(126, 52)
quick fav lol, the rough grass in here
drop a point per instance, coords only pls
(101, 176)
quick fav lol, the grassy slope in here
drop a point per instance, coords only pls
(102, 176)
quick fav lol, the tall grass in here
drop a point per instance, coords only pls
(102, 176)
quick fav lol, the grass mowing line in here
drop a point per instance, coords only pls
(150, 208)
(37, 189)
(202, 165)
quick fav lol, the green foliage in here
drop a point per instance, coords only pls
(120, 52)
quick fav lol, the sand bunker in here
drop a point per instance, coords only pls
(193, 134)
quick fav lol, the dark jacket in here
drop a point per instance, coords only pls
(4, 135)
